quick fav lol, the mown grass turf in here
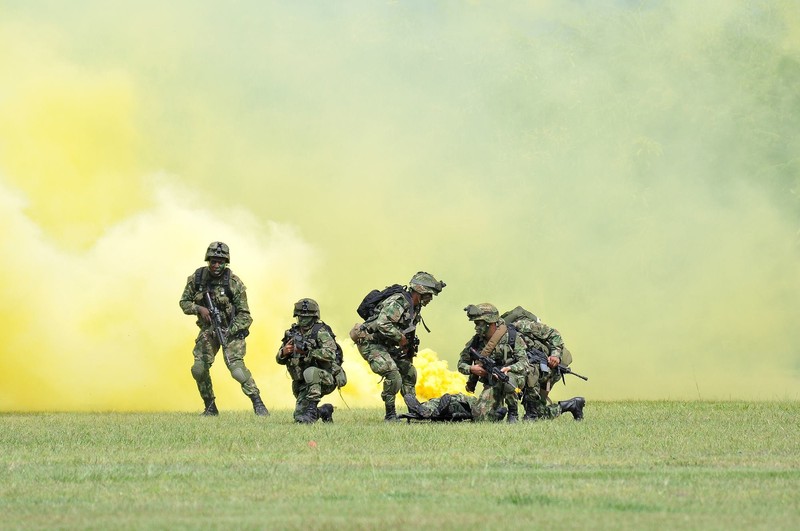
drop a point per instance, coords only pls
(629, 465)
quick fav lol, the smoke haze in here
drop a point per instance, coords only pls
(628, 171)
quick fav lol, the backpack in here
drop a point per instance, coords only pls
(518, 313)
(375, 297)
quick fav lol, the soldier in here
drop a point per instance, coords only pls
(227, 294)
(546, 346)
(387, 339)
(313, 359)
(451, 408)
(500, 347)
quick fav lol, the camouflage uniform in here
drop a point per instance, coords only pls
(232, 303)
(382, 350)
(312, 370)
(448, 408)
(393, 318)
(513, 356)
(547, 341)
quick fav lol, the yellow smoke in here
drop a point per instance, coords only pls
(629, 173)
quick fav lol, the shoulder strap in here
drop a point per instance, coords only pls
(226, 281)
(201, 280)
(512, 336)
(198, 278)
(489, 348)
(315, 330)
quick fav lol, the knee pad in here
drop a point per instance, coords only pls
(239, 372)
(199, 370)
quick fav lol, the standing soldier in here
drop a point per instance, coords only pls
(496, 355)
(387, 339)
(214, 291)
(313, 359)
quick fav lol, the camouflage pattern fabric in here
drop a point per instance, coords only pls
(495, 393)
(457, 407)
(543, 338)
(381, 348)
(237, 317)
(311, 372)
(382, 364)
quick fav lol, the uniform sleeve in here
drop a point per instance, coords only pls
(387, 322)
(517, 351)
(326, 348)
(242, 320)
(464, 359)
(278, 358)
(187, 299)
(555, 342)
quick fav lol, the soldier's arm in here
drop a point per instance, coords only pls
(517, 351)
(555, 342)
(388, 317)
(187, 299)
(326, 349)
(464, 360)
(279, 357)
(242, 320)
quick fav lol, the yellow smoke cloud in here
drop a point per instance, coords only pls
(629, 173)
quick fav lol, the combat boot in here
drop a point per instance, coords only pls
(574, 406)
(415, 409)
(530, 411)
(391, 414)
(513, 411)
(325, 412)
(310, 415)
(499, 414)
(211, 408)
(259, 407)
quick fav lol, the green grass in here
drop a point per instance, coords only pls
(629, 465)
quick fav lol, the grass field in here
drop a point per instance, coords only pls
(629, 465)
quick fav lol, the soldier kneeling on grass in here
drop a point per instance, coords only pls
(313, 359)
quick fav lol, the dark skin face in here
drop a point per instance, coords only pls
(215, 266)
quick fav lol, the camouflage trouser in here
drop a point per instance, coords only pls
(408, 376)
(315, 384)
(493, 397)
(534, 400)
(205, 350)
(462, 406)
(459, 406)
(382, 363)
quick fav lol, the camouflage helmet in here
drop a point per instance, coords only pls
(306, 307)
(482, 312)
(424, 283)
(218, 250)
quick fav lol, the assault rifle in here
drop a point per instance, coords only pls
(537, 356)
(302, 346)
(218, 325)
(412, 344)
(490, 365)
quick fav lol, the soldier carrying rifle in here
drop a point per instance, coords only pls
(217, 297)
(387, 338)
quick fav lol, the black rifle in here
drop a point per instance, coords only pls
(537, 356)
(412, 344)
(218, 325)
(302, 346)
(490, 365)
